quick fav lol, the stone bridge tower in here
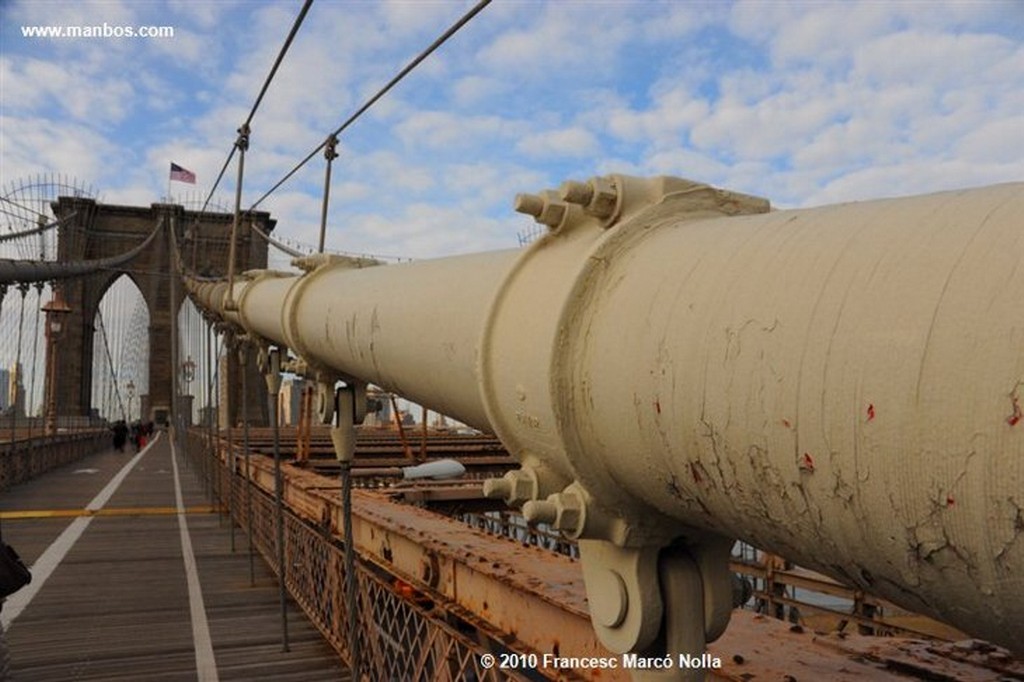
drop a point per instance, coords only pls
(96, 230)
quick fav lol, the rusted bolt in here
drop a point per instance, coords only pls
(515, 487)
(540, 511)
(569, 508)
(530, 204)
(604, 198)
(546, 210)
(573, 192)
(597, 196)
(495, 488)
(553, 213)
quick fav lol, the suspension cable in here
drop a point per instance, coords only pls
(17, 205)
(280, 57)
(35, 358)
(110, 361)
(39, 229)
(23, 289)
(466, 18)
(259, 98)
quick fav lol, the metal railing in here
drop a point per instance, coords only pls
(402, 632)
(24, 458)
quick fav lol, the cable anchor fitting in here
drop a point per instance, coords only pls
(331, 147)
(243, 137)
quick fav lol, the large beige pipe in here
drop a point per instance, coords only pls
(839, 385)
(412, 328)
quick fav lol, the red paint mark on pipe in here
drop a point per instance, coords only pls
(807, 463)
(785, 422)
(871, 411)
(949, 500)
(657, 405)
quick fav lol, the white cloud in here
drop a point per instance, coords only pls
(561, 40)
(425, 231)
(916, 176)
(1000, 142)
(54, 87)
(205, 15)
(444, 130)
(74, 13)
(672, 113)
(31, 146)
(930, 58)
(566, 142)
(474, 89)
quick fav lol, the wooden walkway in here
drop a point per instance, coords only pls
(117, 594)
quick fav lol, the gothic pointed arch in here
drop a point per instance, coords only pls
(91, 230)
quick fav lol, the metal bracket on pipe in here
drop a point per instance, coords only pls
(622, 589)
(327, 398)
(712, 559)
(666, 601)
(343, 428)
(270, 364)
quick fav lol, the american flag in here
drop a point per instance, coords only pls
(181, 175)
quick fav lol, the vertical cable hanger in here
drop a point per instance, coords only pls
(242, 144)
(23, 290)
(330, 153)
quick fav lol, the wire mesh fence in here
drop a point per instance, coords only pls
(403, 633)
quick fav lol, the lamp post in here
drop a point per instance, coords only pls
(188, 374)
(55, 310)
(188, 371)
(130, 387)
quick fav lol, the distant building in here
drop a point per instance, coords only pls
(15, 390)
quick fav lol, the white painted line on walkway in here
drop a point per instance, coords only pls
(206, 664)
(50, 559)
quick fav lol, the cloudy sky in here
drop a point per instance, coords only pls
(802, 102)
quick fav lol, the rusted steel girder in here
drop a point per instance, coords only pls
(674, 365)
(533, 601)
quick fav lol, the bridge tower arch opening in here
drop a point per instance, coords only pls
(91, 230)
(120, 351)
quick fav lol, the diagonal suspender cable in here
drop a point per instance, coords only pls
(259, 98)
(280, 57)
(466, 18)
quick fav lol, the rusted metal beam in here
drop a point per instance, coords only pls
(534, 601)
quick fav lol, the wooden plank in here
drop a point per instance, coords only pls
(117, 607)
